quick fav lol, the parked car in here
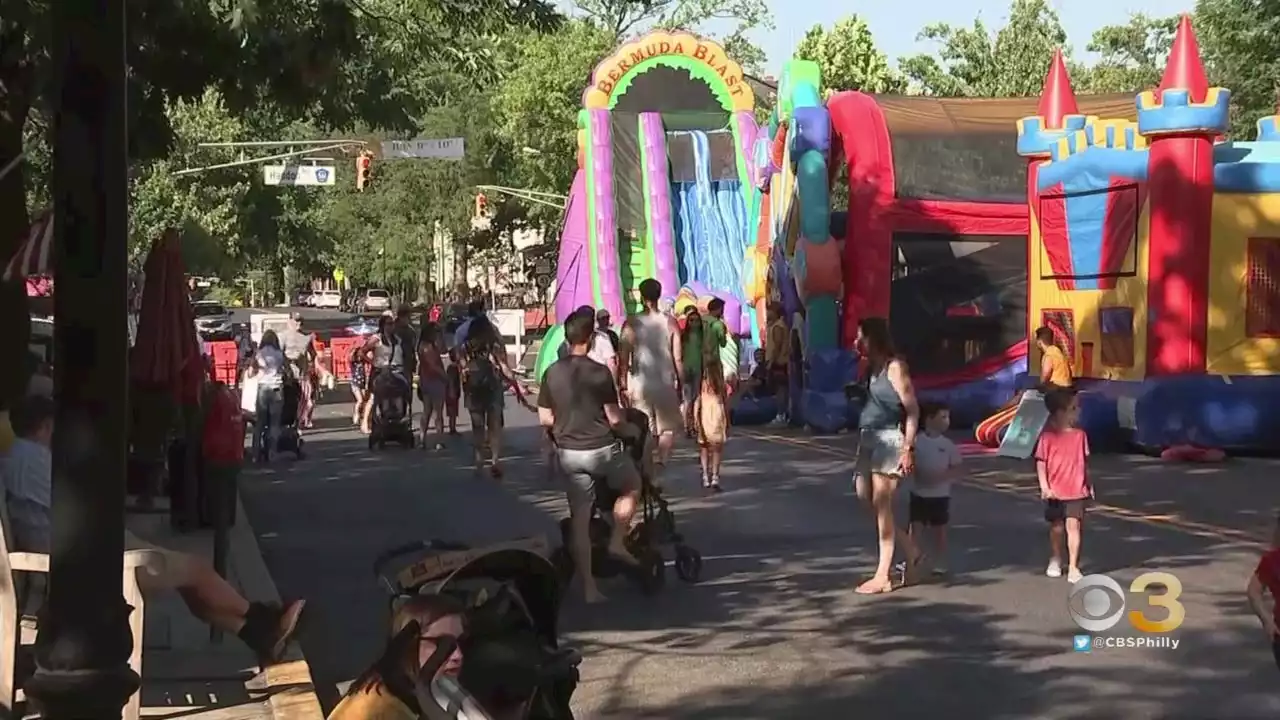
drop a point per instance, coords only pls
(302, 298)
(213, 320)
(331, 299)
(375, 301)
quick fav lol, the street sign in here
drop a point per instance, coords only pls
(339, 275)
(444, 149)
(310, 175)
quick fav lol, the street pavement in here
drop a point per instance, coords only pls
(774, 630)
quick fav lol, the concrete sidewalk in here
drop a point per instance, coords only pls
(188, 675)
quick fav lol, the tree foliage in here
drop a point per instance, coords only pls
(1238, 39)
(974, 62)
(1132, 55)
(849, 58)
(625, 18)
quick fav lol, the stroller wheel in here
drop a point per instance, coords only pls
(688, 564)
(652, 572)
(372, 441)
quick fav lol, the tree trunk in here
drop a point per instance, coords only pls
(15, 320)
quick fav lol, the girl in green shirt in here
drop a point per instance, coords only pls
(691, 338)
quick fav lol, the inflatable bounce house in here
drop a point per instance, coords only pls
(1155, 259)
(938, 233)
(796, 259)
(665, 187)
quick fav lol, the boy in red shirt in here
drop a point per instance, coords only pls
(1061, 454)
(1267, 577)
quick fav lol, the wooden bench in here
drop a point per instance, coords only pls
(11, 621)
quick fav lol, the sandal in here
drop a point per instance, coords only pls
(871, 587)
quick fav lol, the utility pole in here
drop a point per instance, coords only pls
(83, 647)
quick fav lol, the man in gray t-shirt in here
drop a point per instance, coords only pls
(300, 351)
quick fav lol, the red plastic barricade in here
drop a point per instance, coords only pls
(341, 348)
(225, 356)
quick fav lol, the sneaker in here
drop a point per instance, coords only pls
(940, 570)
(715, 484)
(268, 629)
(1054, 570)
(1074, 576)
(706, 482)
(779, 421)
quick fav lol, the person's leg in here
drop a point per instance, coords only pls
(370, 399)
(259, 424)
(304, 400)
(1074, 526)
(479, 436)
(1057, 529)
(211, 599)
(704, 460)
(883, 488)
(426, 412)
(717, 456)
(357, 399)
(620, 472)
(580, 491)
(940, 539)
(495, 425)
(275, 406)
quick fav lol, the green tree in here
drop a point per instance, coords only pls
(206, 205)
(1132, 55)
(972, 62)
(537, 104)
(849, 58)
(330, 62)
(625, 18)
(1238, 39)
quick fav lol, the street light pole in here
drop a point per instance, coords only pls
(84, 642)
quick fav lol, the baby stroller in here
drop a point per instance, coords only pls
(290, 439)
(392, 419)
(655, 530)
(511, 645)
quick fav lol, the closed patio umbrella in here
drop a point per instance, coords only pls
(166, 353)
(167, 369)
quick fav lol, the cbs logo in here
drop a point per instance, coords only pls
(1093, 609)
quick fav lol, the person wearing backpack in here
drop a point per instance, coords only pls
(485, 376)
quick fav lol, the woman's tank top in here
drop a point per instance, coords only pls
(883, 409)
(653, 364)
(382, 353)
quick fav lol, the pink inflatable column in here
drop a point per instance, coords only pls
(608, 279)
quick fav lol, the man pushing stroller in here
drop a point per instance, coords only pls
(578, 402)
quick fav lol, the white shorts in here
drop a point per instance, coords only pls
(661, 404)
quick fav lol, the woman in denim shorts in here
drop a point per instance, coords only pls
(886, 445)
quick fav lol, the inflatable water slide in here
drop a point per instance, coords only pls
(666, 186)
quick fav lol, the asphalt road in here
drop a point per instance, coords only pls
(774, 629)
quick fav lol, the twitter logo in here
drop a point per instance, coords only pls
(1082, 643)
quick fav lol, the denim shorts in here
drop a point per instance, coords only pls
(584, 468)
(880, 452)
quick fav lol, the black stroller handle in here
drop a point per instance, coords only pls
(431, 710)
(416, 546)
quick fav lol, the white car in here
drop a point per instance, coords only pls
(327, 299)
(213, 320)
(376, 301)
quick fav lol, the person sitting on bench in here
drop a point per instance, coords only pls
(27, 471)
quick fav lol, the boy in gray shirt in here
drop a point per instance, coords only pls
(937, 465)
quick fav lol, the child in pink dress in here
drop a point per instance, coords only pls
(712, 418)
(1061, 455)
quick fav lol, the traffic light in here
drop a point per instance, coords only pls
(363, 162)
(482, 205)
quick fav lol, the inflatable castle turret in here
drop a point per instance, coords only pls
(1180, 120)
